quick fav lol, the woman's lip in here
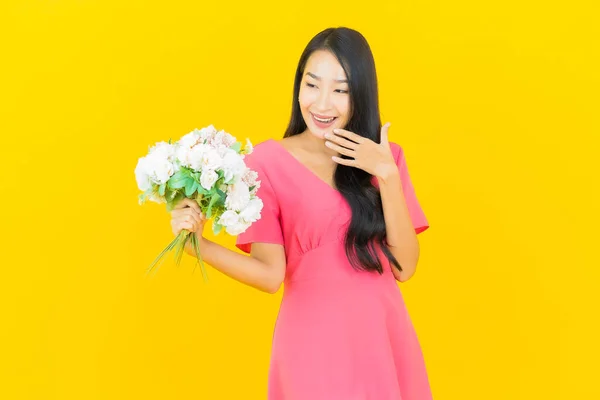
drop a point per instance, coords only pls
(322, 125)
(322, 116)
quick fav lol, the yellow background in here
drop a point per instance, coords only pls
(495, 103)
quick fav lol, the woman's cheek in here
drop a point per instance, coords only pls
(343, 107)
(306, 99)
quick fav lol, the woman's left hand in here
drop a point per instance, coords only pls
(374, 158)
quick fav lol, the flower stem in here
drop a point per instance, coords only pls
(178, 243)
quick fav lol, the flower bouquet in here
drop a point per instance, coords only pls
(208, 167)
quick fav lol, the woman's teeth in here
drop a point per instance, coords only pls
(325, 121)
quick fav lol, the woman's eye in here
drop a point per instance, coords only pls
(310, 85)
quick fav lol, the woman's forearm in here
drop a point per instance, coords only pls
(401, 236)
(243, 268)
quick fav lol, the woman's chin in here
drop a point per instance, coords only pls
(320, 132)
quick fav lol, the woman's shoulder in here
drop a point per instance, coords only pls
(262, 155)
(262, 146)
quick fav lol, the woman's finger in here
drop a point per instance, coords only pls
(384, 133)
(197, 217)
(186, 202)
(191, 219)
(194, 205)
(341, 141)
(181, 204)
(350, 135)
(344, 161)
(340, 149)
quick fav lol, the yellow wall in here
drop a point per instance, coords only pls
(495, 104)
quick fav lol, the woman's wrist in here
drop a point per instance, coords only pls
(203, 243)
(388, 173)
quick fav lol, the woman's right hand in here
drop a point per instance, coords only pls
(187, 215)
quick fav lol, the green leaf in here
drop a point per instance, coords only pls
(215, 197)
(190, 187)
(217, 228)
(177, 197)
(202, 191)
(237, 146)
(179, 179)
(161, 189)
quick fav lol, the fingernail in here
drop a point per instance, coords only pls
(336, 130)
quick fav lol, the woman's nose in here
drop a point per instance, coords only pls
(323, 100)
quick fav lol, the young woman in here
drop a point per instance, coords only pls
(338, 228)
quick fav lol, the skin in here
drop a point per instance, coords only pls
(324, 93)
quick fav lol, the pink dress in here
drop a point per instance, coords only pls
(340, 334)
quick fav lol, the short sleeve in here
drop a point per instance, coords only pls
(267, 229)
(417, 216)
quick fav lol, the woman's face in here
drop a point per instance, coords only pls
(324, 94)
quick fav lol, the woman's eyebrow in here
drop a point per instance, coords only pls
(319, 78)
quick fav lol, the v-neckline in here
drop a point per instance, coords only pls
(304, 167)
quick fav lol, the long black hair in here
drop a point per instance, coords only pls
(367, 226)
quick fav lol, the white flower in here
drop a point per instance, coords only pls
(161, 169)
(238, 196)
(251, 213)
(183, 156)
(188, 151)
(208, 179)
(142, 174)
(248, 149)
(211, 160)
(193, 157)
(165, 149)
(229, 218)
(236, 229)
(228, 139)
(192, 151)
(232, 223)
(189, 140)
(222, 150)
(222, 138)
(157, 167)
(233, 166)
(208, 132)
(249, 177)
(200, 157)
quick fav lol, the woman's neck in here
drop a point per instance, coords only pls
(315, 145)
